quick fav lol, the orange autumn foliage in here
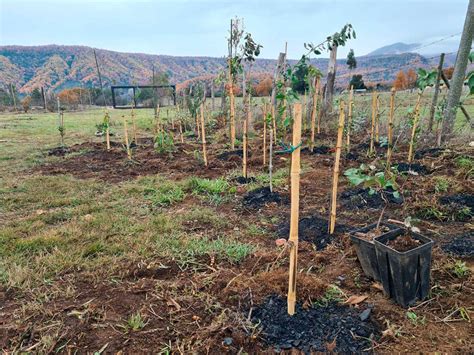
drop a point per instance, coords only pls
(400, 82)
(264, 87)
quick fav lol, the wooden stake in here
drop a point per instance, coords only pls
(232, 108)
(349, 118)
(335, 178)
(158, 121)
(316, 84)
(125, 130)
(181, 131)
(372, 126)
(415, 124)
(390, 129)
(264, 134)
(62, 129)
(203, 135)
(295, 206)
(107, 130)
(319, 108)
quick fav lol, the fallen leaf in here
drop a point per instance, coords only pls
(280, 242)
(377, 286)
(356, 299)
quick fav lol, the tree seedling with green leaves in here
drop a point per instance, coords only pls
(424, 79)
(376, 181)
(194, 100)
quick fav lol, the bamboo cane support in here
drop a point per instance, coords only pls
(335, 179)
(415, 124)
(134, 126)
(264, 134)
(313, 111)
(127, 145)
(349, 118)
(372, 126)
(270, 161)
(377, 119)
(203, 135)
(295, 202)
(390, 129)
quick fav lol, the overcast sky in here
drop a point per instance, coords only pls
(198, 27)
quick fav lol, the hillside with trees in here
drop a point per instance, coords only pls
(61, 67)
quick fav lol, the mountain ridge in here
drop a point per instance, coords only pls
(56, 67)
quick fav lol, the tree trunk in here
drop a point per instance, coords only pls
(454, 94)
(329, 92)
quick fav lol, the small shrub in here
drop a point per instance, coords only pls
(415, 319)
(164, 143)
(441, 184)
(332, 294)
(460, 269)
(135, 322)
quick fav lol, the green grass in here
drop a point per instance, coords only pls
(53, 224)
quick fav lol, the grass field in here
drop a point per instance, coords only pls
(170, 261)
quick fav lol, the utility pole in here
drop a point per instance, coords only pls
(100, 78)
(454, 94)
(331, 79)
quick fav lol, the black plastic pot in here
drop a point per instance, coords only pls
(365, 250)
(405, 275)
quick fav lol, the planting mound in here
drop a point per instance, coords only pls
(58, 151)
(462, 200)
(244, 180)
(462, 245)
(232, 155)
(352, 156)
(413, 167)
(260, 197)
(360, 198)
(322, 149)
(311, 229)
(459, 207)
(331, 328)
(429, 152)
(92, 160)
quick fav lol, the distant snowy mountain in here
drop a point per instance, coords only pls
(395, 48)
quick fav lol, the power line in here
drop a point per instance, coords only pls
(437, 41)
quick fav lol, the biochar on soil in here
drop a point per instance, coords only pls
(315, 328)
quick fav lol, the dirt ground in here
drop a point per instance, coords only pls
(213, 307)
